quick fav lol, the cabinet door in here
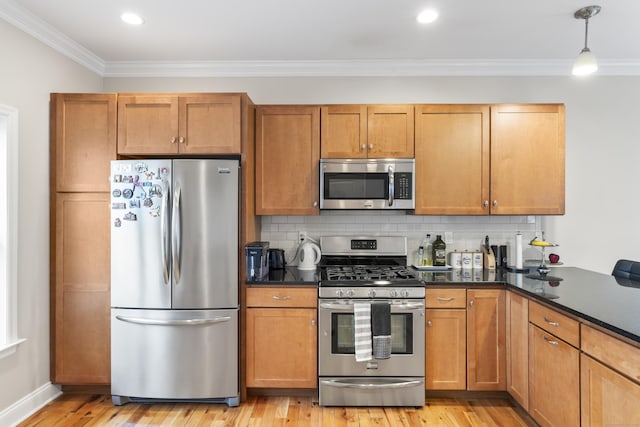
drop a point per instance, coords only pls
(446, 354)
(344, 132)
(390, 131)
(83, 135)
(486, 339)
(608, 398)
(209, 124)
(518, 348)
(147, 124)
(287, 160)
(527, 159)
(80, 323)
(282, 347)
(452, 159)
(554, 373)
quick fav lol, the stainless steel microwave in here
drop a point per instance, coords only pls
(367, 184)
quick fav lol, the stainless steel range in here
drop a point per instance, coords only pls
(358, 366)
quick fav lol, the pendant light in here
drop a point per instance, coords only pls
(585, 62)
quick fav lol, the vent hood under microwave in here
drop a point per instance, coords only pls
(367, 184)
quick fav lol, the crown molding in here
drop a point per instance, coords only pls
(21, 18)
(31, 24)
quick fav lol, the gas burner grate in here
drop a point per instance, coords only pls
(367, 272)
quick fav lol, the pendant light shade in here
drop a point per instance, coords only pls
(586, 62)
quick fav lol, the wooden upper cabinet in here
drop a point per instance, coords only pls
(287, 160)
(452, 159)
(344, 132)
(390, 131)
(527, 159)
(186, 124)
(83, 127)
(367, 131)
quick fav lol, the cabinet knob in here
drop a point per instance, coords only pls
(173, 140)
(552, 342)
(181, 140)
(315, 203)
(429, 323)
(471, 303)
(486, 203)
(495, 203)
(362, 147)
(313, 322)
(551, 322)
(370, 146)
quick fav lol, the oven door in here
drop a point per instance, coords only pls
(336, 349)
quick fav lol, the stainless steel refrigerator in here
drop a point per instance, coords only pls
(174, 280)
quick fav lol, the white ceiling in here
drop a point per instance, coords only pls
(332, 37)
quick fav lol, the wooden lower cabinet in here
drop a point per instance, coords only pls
(518, 348)
(80, 342)
(607, 398)
(446, 355)
(281, 338)
(554, 374)
(486, 329)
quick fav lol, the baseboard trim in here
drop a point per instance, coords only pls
(29, 404)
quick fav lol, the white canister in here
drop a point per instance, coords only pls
(467, 260)
(477, 260)
(455, 259)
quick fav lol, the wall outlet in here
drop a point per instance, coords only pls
(448, 237)
(302, 236)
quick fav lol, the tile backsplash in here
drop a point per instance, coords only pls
(467, 232)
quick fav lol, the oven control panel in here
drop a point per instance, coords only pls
(372, 293)
(360, 244)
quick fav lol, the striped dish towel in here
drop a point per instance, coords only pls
(362, 331)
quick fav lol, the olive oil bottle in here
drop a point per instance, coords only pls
(439, 251)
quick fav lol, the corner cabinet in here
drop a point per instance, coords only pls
(287, 160)
(185, 124)
(82, 142)
(527, 159)
(452, 159)
(281, 337)
(367, 131)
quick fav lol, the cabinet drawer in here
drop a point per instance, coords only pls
(282, 297)
(619, 355)
(446, 298)
(556, 323)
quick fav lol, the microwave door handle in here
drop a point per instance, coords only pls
(391, 186)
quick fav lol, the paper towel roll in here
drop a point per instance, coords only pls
(519, 251)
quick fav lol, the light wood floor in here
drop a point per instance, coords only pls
(75, 409)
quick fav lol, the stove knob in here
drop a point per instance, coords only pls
(405, 293)
(394, 293)
(349, 293)
(372, 293)
(339, 293)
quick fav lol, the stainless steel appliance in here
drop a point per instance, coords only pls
(369, 270)
(367, 184)
(174, 280)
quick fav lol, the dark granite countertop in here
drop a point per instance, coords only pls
(595, 297)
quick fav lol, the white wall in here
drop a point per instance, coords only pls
(602, 128)
(29, 72)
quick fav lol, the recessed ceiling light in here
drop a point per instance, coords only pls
(427, 16)
(131, 18)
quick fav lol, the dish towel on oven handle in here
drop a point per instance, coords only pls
(381, 330)
(362, 331)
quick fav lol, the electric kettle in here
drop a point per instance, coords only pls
(309, 256)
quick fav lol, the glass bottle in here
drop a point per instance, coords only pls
(439, 252)
(427, 258)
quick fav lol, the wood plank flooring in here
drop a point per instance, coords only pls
(78, 409)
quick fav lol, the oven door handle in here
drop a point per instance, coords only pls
(371, 386)
(348, 306)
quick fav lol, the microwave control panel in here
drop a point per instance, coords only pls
(403, 188)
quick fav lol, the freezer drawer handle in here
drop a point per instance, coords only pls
(400, 384)
(182, 322)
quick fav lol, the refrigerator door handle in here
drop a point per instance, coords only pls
(175, 232)
(164, 238)
(181, 322)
